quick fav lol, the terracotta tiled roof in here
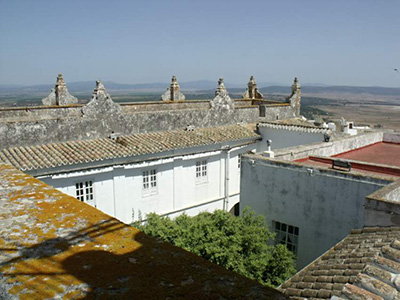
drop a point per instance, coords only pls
(379, 279)
(55, 247)
(74, 152)
(356, 268)
(294, 125)
(293, 122)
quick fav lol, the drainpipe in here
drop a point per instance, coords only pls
(226, 181)
(114, 188)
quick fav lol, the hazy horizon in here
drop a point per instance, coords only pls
(166, 83)
(351, 43)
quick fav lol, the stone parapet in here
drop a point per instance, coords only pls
(57, 247)
(101, 117)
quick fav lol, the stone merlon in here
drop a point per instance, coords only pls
(252, 90)
(173, 93)
(222, 101)
(59, 95)
(295, 97)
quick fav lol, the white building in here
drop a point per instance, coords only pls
(152, 165)
(167, 172)
(289, 133)
(313, 195)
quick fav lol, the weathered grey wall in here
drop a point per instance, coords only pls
(37, 113)
(128, 108)
(276, 112)
(36, 126)
(99, 118)
(314, 200)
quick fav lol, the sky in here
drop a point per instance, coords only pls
(341, 42)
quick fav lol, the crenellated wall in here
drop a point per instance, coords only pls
(62, 124)
(101, 117)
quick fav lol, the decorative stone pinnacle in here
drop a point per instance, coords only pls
(99, 85)
(295, 97)
(60, 80)
(59, 95)
(221, 89)
(99, 89)
(101, 103)
(222, 101)
(296, 85)
(174, 83)
(173, 93)
(252, 90)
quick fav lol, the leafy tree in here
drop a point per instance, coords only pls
(240, 244)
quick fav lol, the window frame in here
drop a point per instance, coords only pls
(287, 235)
(201, 171)
(84, 191)
(149, 182)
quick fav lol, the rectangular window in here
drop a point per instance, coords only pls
(239, 160)
(287, 235)
(201, 171)
(150, 181)
(84, 191)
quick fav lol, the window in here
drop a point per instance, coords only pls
(84, 191)
(201, 171)
(239, 160)
(150, 181)
(287, 235)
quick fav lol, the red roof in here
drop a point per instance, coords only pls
(379, 153)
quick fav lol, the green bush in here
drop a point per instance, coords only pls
(240, 244)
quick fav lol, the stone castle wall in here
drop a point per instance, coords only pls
(37, 113)
(276, 112)
(102, 117)
(32, 126)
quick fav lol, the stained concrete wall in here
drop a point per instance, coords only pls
(316, 201)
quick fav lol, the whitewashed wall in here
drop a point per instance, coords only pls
(118, 190)
(314, 201)
(283, 138)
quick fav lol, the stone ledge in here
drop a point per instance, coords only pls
(54, 246)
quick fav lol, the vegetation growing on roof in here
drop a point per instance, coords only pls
(240, 244)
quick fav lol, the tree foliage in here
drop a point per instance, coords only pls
(240, 244)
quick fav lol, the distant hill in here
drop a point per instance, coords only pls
(372, 90)
(202, 86)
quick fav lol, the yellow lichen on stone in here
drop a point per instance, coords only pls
(54, 246)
